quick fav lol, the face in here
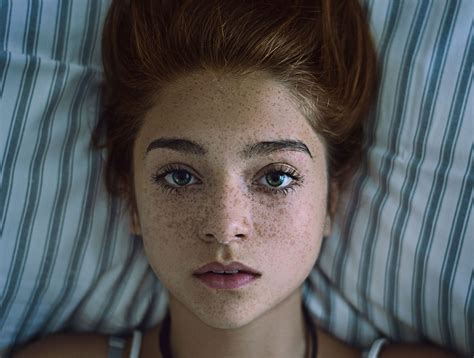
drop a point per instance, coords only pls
(222, 199)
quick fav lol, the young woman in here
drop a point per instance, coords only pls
(229, 127)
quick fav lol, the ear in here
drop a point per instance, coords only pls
(333, 196)
(135, 224)
(327, 226)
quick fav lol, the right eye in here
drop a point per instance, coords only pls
(174, 178)
(178, 177)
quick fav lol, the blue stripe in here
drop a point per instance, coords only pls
(113, 218)
(5, 16)
(60, 79)
(121, 284)
(108, 243)
(455, 241)
(22, 104)
(424, 243)
(316, 286)
(415, 34)
(109, 249)
(459, 231)
(417, 29)
(82, 237)
(31, 34)
(5, 58)
(21, 110)
(339, 264)
(36, 178)
(469, 312)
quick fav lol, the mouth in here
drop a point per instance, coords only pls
(231, 276)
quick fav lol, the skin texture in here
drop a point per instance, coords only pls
(223, 217)
(225, 211)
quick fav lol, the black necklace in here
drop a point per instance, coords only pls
(165, 344)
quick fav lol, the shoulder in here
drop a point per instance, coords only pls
(330, 346)
(67, 345)
(151, 343)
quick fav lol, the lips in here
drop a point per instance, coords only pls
(226, 281)
(231, 268)
(228, 277)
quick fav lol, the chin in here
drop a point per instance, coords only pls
(227, 319)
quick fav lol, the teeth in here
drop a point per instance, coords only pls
(235, 271)
(227, 272)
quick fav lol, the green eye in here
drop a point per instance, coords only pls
(280, 180)
(181, 177)
(174, 178)
(276, 178)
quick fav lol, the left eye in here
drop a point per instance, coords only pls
(275, 179)
(179, 177)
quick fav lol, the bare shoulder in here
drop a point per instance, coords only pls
(151, 343)
(86, 345)
(66, 345)
(330, 346)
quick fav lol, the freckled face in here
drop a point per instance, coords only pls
(266, 210)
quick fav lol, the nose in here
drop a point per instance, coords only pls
(227, 216)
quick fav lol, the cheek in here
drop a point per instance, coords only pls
(166, 227)
(169, 242)
(294, 231)
(290, 233)
(289, 243)
(298, 219)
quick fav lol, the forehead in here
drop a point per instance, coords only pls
(226, 109)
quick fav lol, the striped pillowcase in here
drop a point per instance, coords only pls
(66, 258)
(397, 263)
(401, 256)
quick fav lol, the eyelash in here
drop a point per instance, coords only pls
(158, 178)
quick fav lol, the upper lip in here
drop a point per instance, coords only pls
(217, 266)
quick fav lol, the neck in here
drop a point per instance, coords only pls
(280, 332)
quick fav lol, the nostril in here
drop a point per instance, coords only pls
(209, 238)
(223, 239)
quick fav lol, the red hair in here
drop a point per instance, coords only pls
(321, 50)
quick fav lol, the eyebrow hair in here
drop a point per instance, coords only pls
(250, 150)
(177, 144)
(268, 147)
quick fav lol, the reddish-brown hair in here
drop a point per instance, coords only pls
(321, 50)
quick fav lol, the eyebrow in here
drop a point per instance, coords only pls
(251, 150)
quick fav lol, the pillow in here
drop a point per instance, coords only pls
(399, 262)
(66, 258)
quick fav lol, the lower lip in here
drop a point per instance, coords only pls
(222, 281)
